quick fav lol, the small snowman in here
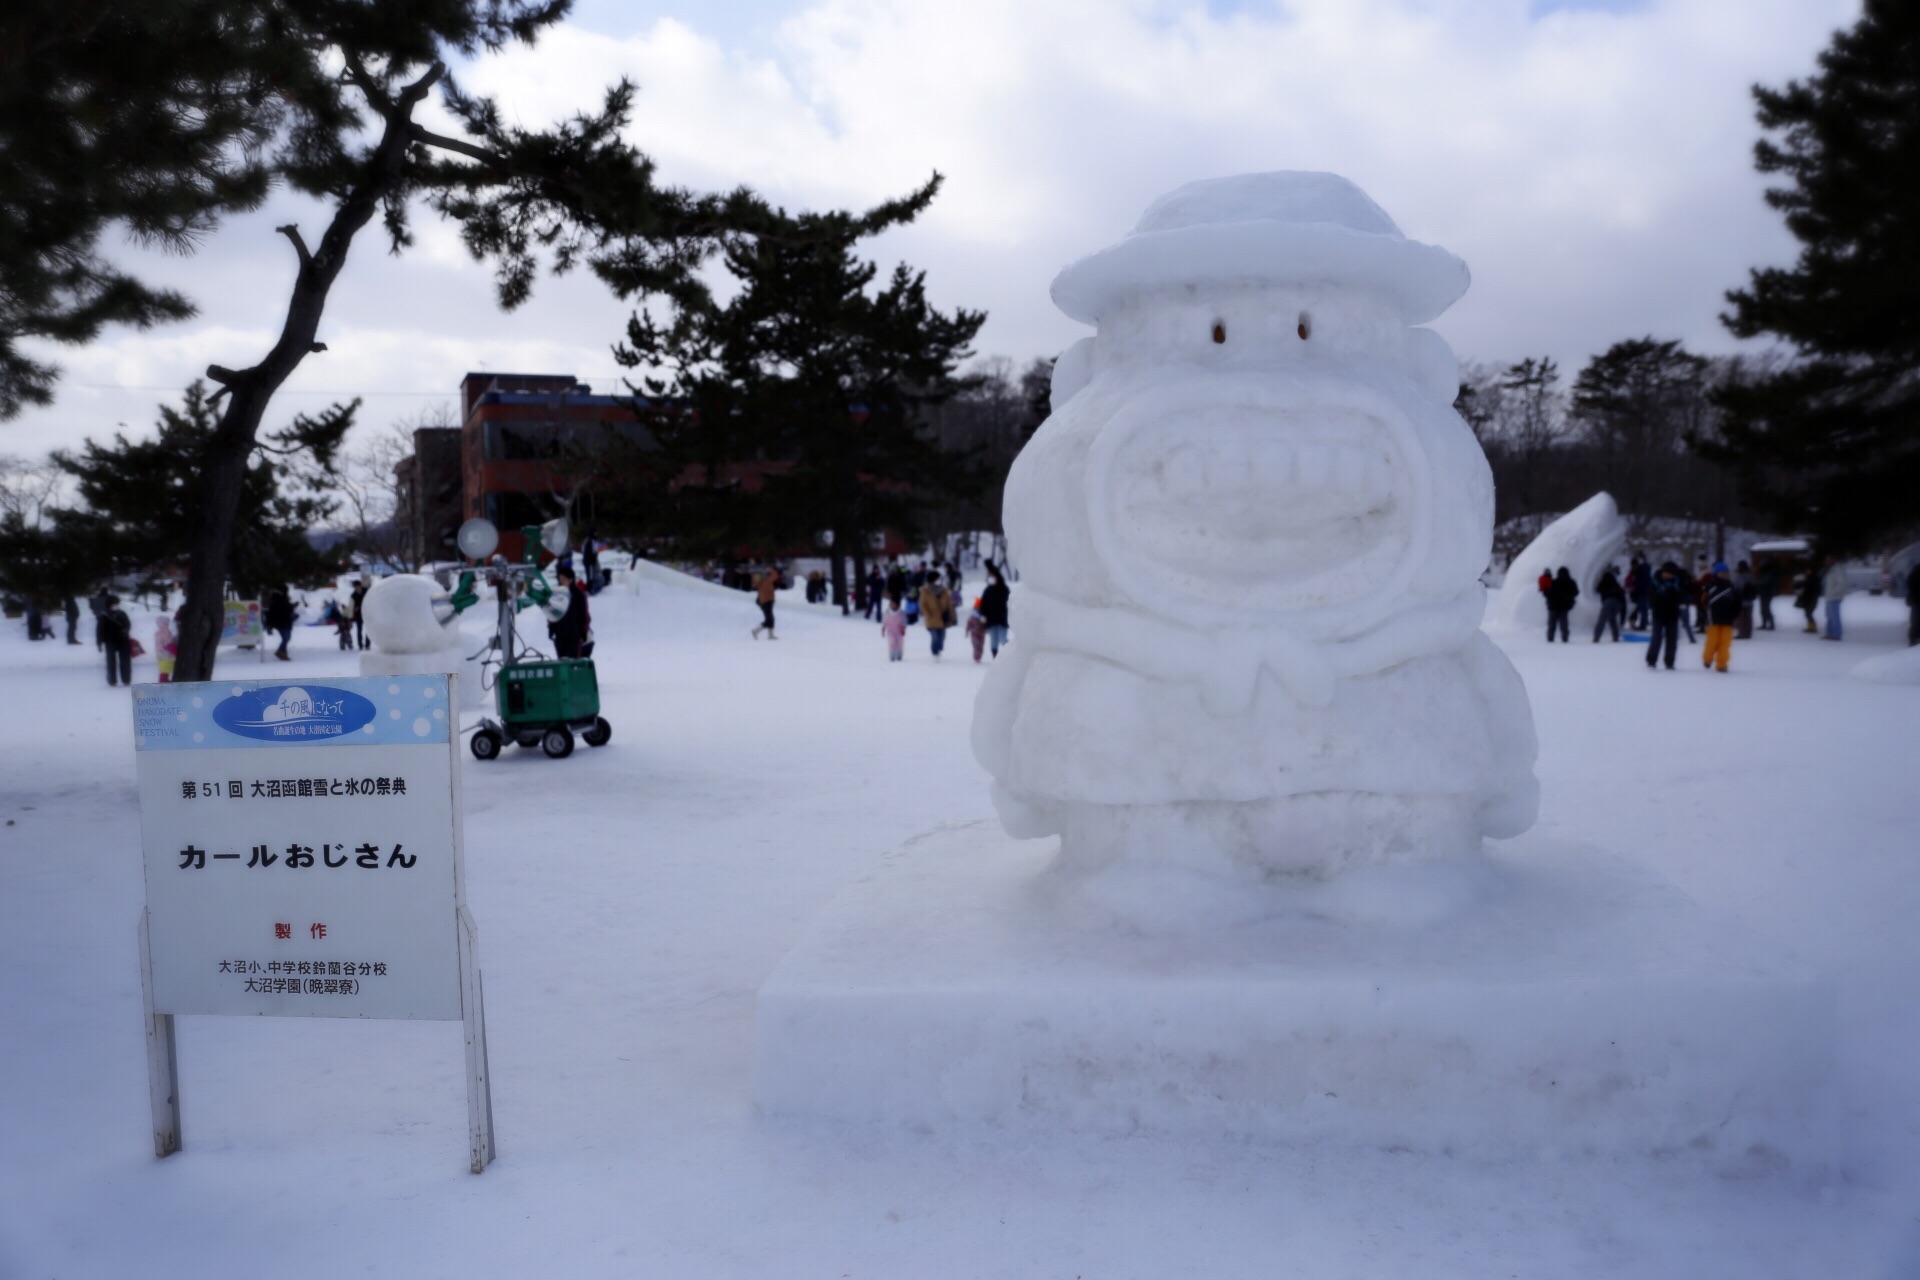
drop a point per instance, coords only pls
(1247, 627)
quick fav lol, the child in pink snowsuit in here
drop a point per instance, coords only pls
(894, 628)
(977, 630)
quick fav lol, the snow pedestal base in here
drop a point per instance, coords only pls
(452, 660)
(1537, 997)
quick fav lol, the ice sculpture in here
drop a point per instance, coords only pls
(1586, 540)
(1247, 629)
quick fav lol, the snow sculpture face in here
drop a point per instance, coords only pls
(1251, 516)
(1258, 449)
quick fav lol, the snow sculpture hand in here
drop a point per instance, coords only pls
(1250, 538)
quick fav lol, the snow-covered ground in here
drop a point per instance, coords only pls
(631, 900)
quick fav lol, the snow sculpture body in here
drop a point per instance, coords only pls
(415, 631)
(409, 613)
(1250, 538)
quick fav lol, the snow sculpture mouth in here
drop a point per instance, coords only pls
(1269, 504)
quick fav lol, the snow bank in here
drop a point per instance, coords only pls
(1899, 667)
(1586, 540)
(646, 572)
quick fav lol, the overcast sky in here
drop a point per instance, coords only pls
(1591, 161)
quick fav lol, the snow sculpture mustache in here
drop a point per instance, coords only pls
(1246, 634)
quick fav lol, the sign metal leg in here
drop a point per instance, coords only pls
(163, 1065)
(473, 1016)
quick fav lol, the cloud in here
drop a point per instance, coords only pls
(1591, 162)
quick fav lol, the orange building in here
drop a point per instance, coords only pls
(515, 429)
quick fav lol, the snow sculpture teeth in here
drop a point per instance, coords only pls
(1246, 631)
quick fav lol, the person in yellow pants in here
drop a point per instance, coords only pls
(1724, 604)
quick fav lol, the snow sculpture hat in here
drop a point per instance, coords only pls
(1287, 227)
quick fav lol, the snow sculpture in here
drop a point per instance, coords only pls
(401, 615)
(415, 631)
(1586, 540)
(1247, 631)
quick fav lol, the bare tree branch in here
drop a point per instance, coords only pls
(468, 149)
(292, 232)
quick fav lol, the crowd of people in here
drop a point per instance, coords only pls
(925, 596)
(1718, 602)
(900, 598)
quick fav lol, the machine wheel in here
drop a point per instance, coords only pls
(598, 735)
(485, 744)
(557, 742)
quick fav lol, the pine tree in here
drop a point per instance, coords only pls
(1831, 442)
(326, 96)
(1639, 401)
(814, 372)
(146, 118)
(138, 497)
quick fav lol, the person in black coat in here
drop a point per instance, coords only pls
(359, 619)
(1913, 605)
(1767, 586)
(116, 636)
(1560, 593)
(993, 609)
(1667, 602)
(278, 616)
(1613, 605)
(569, 634)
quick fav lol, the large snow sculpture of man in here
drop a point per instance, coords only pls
(1246, 631)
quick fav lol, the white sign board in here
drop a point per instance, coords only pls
(302, 848)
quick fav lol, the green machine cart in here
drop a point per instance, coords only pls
(540, 701)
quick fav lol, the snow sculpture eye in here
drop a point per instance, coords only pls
(1219, 332)
(1306, 326)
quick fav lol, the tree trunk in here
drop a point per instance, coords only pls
(251, 390)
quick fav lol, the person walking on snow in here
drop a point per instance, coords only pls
(977, 631)
(360, 640)
(1913, 606)
(569, 633)
(1833, 589)
(278, 616)
(765, 588)
(72, 609)
(1767, 586)
(1667, 603)
(1613, 605)
(993, 609)
(1561, 592)
(1639, 585)
(116, 637)
(1724, 604)
(936, 612)
(1743, 582)
(1808, 598)
(894, 628)
(97, 605)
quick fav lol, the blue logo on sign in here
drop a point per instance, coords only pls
(293, 713)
